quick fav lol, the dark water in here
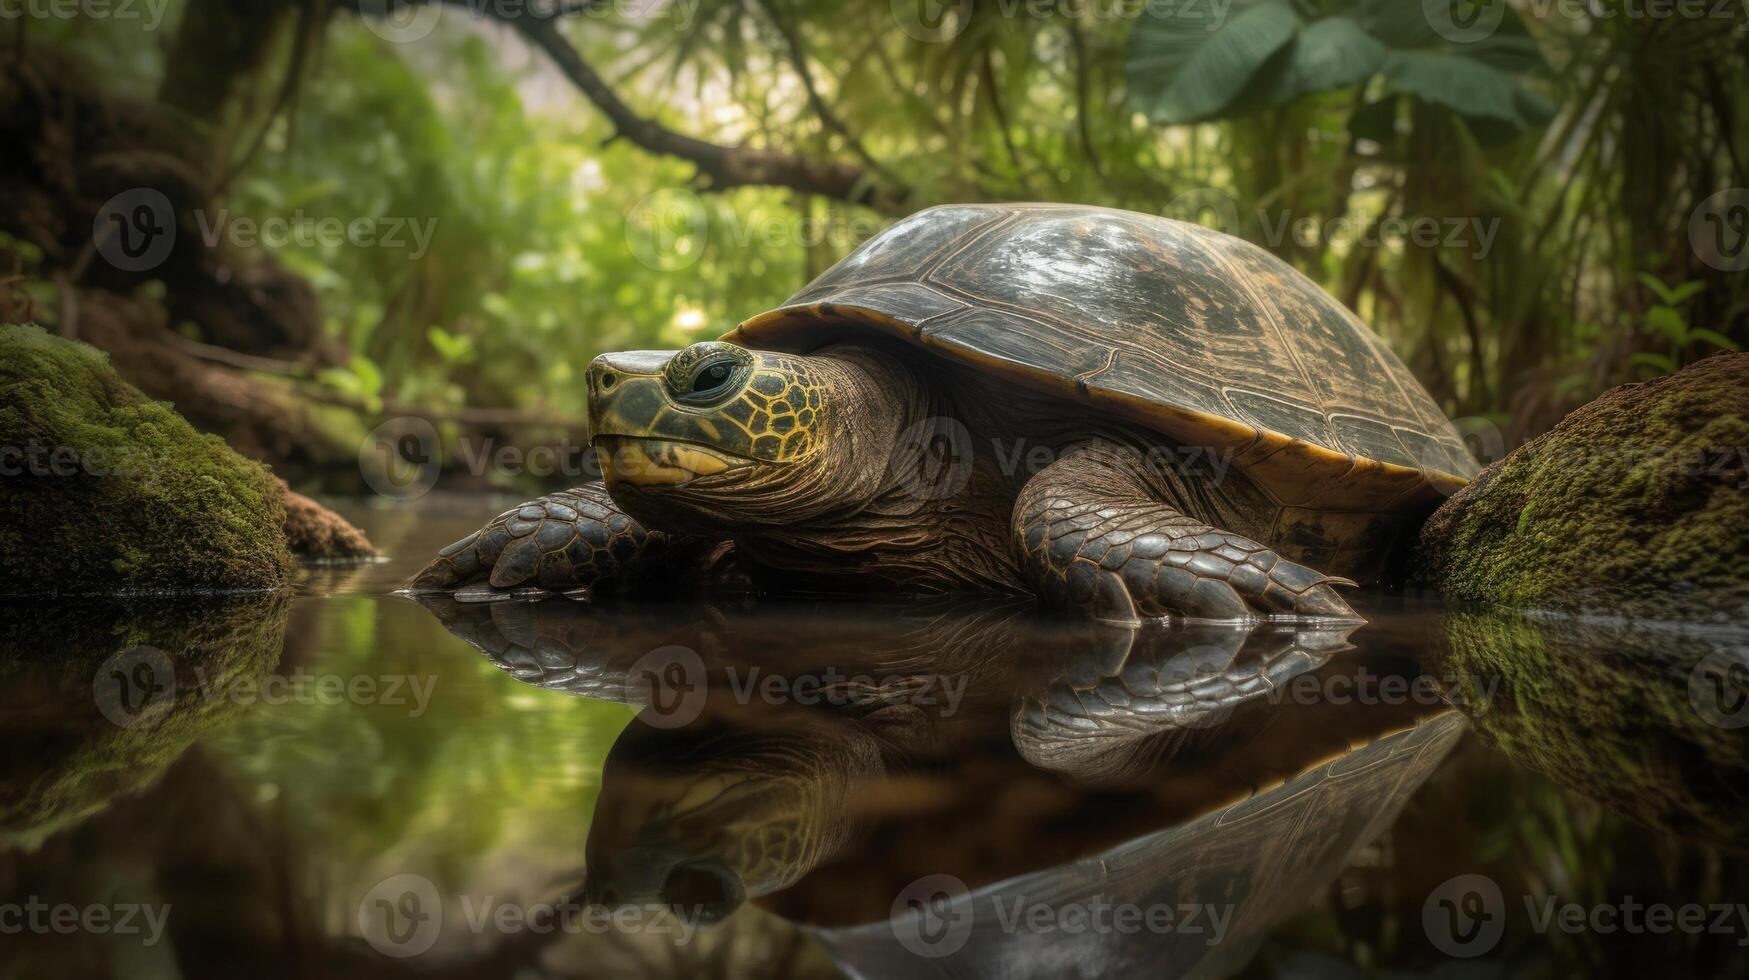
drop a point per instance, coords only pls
(344, 782)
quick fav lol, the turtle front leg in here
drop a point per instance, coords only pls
(1094, 536)
(576, 542)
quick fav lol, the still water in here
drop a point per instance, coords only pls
(344, 782)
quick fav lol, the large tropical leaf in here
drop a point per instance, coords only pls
(1326, 54)
(1186, 63)
(1477, 78)
(1465, 84)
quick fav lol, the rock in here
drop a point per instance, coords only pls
(1636, 504)
(316, 533)
(107, 491)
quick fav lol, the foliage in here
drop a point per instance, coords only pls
(1189, 63)
(1558, 160)
(1667, 320)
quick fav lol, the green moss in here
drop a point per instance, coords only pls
(1613, 712)
(1637, 503)
(109, 491)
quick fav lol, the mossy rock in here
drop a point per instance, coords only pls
(110, 492)
(1637, 503)
(1626, 714)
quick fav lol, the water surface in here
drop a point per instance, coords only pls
(346, 782)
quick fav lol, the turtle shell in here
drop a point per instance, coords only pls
(1199, 335)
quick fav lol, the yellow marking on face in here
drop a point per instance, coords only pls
(656, 462)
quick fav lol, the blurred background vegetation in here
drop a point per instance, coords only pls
(643, 173)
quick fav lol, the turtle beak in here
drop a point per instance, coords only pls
(638, 438)
(656, 462)
(611, 376)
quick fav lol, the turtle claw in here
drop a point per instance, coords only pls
(1129, 556)
(485, 592)
(574, 543)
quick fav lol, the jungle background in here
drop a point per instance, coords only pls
(520, 186)
(386, 210)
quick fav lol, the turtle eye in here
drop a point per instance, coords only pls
(711, 379)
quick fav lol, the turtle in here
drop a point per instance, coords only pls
(1125, 416)
(714, 795)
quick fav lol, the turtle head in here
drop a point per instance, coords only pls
(725, 434)
(667, 418)
(705, 816)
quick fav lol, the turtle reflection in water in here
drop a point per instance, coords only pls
(1069, 737)
(1123, 415)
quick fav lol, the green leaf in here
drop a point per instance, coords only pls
(1327, 54)
(1667, 321)
(1464, 84)
(1658, 288)
(1714, 338)
(370, 377)
(1478, 78)
(452, 348)
(1187, 64)
(1661, 363)
(1685, 292)
(1398, 23)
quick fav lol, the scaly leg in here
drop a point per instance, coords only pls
(575, 541)
(1094, 536)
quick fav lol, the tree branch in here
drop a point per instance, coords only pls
(798, 58)
(720, 167)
